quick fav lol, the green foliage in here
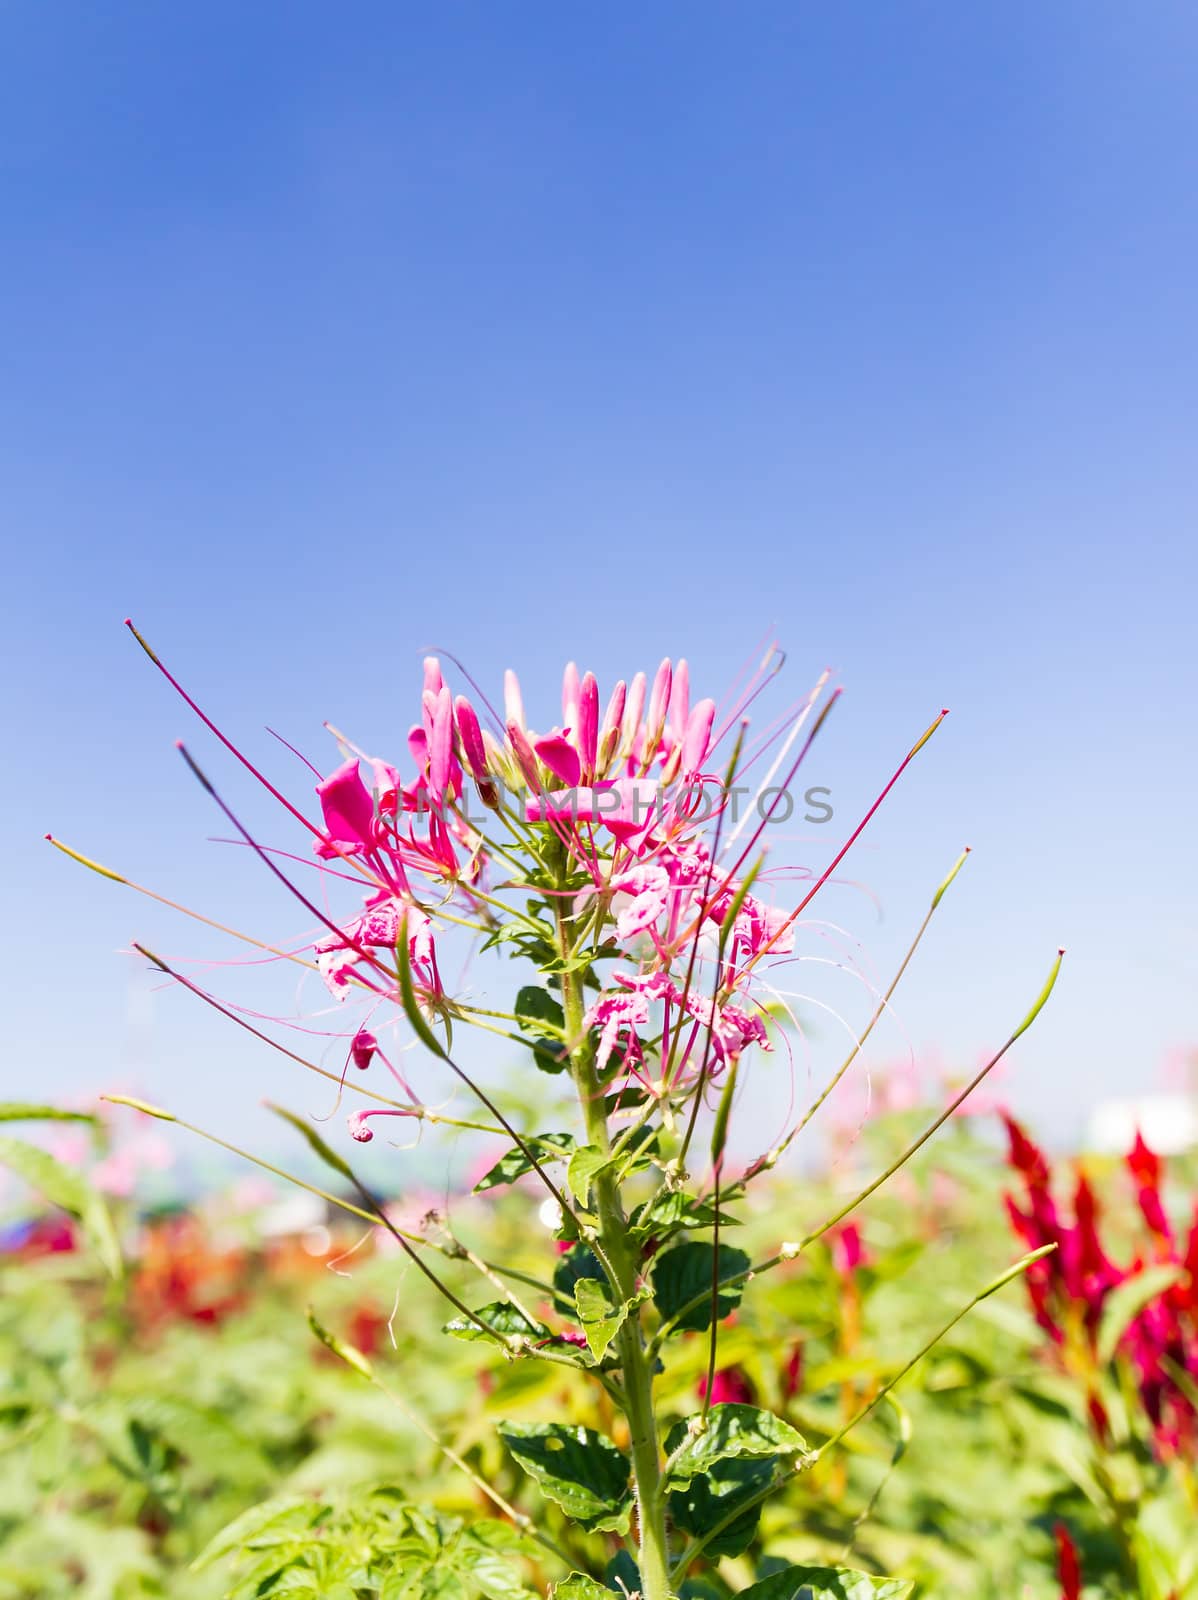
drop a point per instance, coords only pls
(825, 1583)
(730, 1432)
(149, 1453)
(375, 1544)
(65, 1187)
(575, 1467)
(684, 1273)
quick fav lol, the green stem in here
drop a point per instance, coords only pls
(635, 1361)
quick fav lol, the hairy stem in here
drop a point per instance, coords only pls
(635, 1361)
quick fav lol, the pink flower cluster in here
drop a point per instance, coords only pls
(1070, 1288)
(624, 796)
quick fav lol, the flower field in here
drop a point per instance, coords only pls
(179, 1429)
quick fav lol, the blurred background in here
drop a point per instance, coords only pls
(540, 333)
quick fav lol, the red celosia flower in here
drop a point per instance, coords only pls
(730, 1385)
(1068, 1567)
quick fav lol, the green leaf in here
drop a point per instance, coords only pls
(575, 1467)
(325, 1151)
(585, 1164)
(713, 1497)
(549, 1147)
(622, 1574)
(579, 1587)
(673, 1209)
(685, 1271)
(293, 1512)
(502, 1318)
(65, 1187)
(733, 1432)
(14, 1111)
(1124, 1304)
(533, 1005)
(579, 1261)
(601, 1320)
(826, 1583)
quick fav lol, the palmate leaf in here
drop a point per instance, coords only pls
(684, 1272)
(65, 1187)
(575, 1467)
(733, 1432)
(826, 1583)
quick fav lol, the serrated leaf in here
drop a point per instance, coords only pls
(515, 1164)
(575, 1467)
(733, 1432)
(1124, 1304)
(502, 1318)
(826, 1583)
(684, 1272)
(65, 1187)
(584, 1165)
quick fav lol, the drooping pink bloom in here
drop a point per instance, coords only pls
(363, 1048)
(617, 1012)
(358, 1122)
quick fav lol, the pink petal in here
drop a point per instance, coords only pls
(698, 736)
(348, 809)
(588, 723)
(560, 756)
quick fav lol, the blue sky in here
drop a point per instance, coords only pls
(609, 332)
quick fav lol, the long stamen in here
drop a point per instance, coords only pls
(849, 842)
(228, 744)
(350, 943)
(209, 922)
(241, 1022)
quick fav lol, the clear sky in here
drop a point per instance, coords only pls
(608, 332)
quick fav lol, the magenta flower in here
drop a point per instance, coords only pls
(348, 812)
